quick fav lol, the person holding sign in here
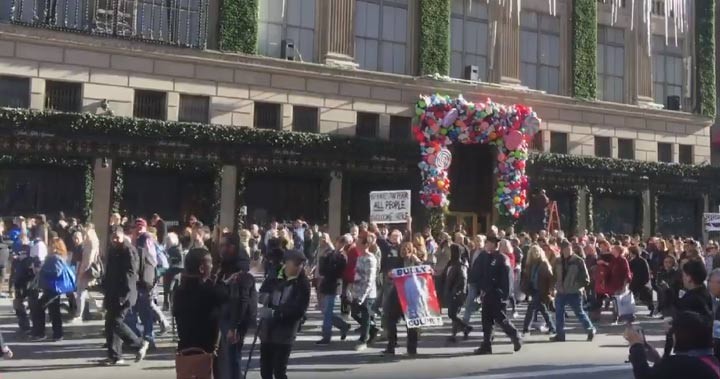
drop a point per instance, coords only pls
(495, 292)
(392, 312)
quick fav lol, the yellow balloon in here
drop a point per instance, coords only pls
(516, 200)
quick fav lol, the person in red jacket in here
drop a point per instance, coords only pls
(619, 275)
(346, 245)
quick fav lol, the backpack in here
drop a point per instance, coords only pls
(147, 271)
(57, 276)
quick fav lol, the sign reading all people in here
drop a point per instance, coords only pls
(711, 222)
(389, 207)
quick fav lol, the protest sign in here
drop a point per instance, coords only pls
(389, 207)
(711, 222)
(416, 290)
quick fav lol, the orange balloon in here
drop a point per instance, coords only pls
(492, 136)
(516, 200)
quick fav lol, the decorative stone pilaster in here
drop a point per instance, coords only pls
(643, 69)
(505, 63)
(102, 195)
(228, 191)
(335, 203)
(338, 32)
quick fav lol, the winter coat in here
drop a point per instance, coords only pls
(351, 255)
(196, 308)
(241, 309)
(543, 282)
(669, 284)
(619, 275)
(571, 275)
(390, 256)
(640, 271)
(696, 300)
(121, 276)
(175, 257)
(602, 275)
(672, 367)
(494, 280)
(289, 300)
(454, 280)
(331, 267)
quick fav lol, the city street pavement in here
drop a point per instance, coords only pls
(77, 356)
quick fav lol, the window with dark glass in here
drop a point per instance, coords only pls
(665, 152)
(14, 92)
(305, 119)
(469, 37)
(400, 128)
(537, 142)
(368, 125)
(558, 143)
(540, 51)
(150, 104)
(63, 96)
(268, 116)
(194, 109)
(603, 147)
(626, 148)
(685, 154)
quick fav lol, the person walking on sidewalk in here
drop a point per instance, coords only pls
(571, 276)
(364, 291)
(454, 291)
(495, 292)
(537, 282)
(120, 287)
(331, 267)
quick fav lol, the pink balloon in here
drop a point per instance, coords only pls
(501, 157)
(513, 139)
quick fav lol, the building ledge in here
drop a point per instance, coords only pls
(409, 85)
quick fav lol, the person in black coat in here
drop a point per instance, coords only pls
(454, 290)
(668, 283)
(714, 287)
(695, 299)
(692, 333)
(286, 299)
(120, 287)
(331, 267)
(495, 292)
(640, 282)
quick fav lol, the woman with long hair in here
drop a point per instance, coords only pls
(537, 281)
(171, 277)
(418, 243)
(85, 275)
(50, 269)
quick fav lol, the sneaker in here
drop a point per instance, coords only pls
(57, 339)
(112, 362)
(323, 342)
(362, 346)
(142, 351)
(77, 320)
(515, 315)
(344, 333)
(557, 338)
(389, 351)
(591, 334)
(544, 329)
(163, 329)
(483, 350)
(37, 338)
(373, 335)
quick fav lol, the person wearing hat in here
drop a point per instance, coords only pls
(285, 299)
(571, 277)
(494, 286)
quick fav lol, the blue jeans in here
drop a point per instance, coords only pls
(142, 309)
(330, 319)
(575, 302)
(470, 304)
(229, 357)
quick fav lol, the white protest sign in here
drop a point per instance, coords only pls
(711, 222)
(389, 207)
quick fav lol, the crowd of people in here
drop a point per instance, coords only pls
(207, 281)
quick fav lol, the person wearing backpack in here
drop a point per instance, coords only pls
(56, 279)
(693, 345)
(144, 243)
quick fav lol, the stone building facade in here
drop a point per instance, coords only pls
(334, 92)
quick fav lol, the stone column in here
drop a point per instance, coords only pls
(227, 196)
(338, 32)
(505, 62)
(335, 204)
(706, 209)
(173, 106)
(102, 195)
(37, 94)
(643, 95)
(647, 204)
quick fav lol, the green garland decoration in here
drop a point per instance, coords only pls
(625, 192)
(86, 165)
(435, 37)
(90, 125)
(705, 57)
(238, 29)
(436, 221)
(88, 192)
(584, 47)
(539, 161)
(240, 198)
(590, 216)
(118, 186)
(217, 195)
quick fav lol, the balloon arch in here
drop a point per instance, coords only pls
(442, 121)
